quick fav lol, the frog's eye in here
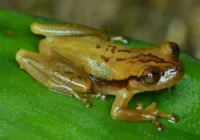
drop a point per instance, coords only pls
(150, 75)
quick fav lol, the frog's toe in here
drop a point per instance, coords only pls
(96, 95)
(158, 126)
(87, 103)
(104, 97)
(173, 118)
(119, 38)
(139, 105)
(83, 99)
(155, 113)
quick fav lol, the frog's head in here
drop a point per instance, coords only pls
(159, 68)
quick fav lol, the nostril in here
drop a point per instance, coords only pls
(175, 50)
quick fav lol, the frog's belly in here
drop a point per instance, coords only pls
(96, 57)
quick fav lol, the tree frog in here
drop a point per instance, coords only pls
(83, 62)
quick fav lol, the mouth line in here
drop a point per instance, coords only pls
(173, 72)
(175, 67)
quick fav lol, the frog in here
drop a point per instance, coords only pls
(84, 62)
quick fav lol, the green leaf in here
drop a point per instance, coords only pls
(30, 111)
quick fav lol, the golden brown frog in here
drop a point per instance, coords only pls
(80, 61)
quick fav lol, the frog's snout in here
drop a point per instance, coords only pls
(172, 49)
(175, 50)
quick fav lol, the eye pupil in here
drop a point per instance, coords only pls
(150, 76)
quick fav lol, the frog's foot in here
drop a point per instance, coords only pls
(83, 99)
(154, 113)
(151, 113)
(97, 95)
(119, 38)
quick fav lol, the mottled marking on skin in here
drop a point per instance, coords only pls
(79, 77)
(113, 49)
(128, 51)
(101, 70)
(70, 78)
(106, 49)
(97, 46)
(68, 72)
(109, 45)
(120, 59)
(113, 83)
(106, 59)
(148, 58)
(175, 50)
(145, 58)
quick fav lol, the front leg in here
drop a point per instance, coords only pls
(121, 112)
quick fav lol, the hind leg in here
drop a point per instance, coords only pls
(67, 30)
(62, 76)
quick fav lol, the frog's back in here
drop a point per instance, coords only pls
(100, 58)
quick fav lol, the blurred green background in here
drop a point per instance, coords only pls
(152, 21)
